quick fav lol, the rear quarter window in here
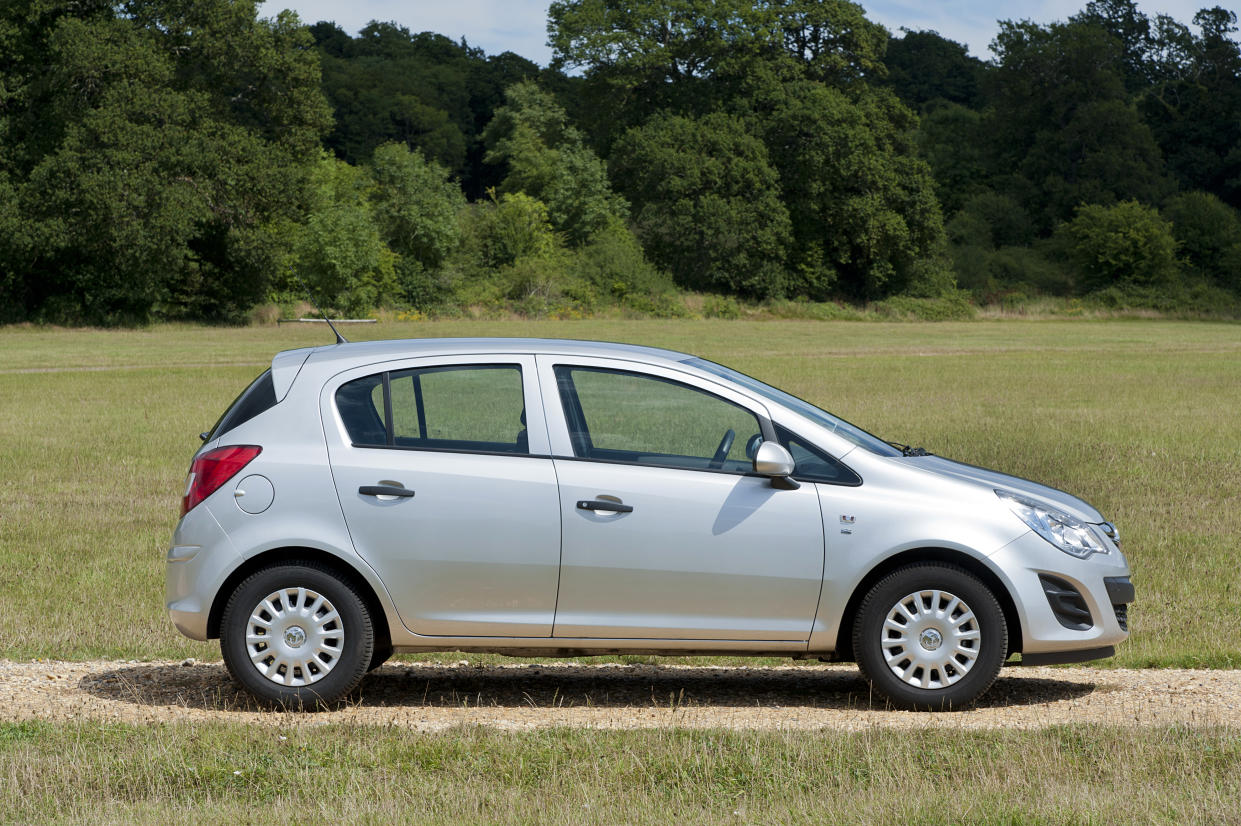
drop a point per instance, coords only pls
(255, 399)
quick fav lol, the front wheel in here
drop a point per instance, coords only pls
(930, 637)
(296, 636)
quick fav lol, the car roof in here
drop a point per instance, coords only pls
(362, 352)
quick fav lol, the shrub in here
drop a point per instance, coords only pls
(513, 227)
(1127, 244)
(956, 307)
(721, 306)
(1209, 232)
(613, 263)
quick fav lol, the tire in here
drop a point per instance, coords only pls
(926, 667)
(322, 638)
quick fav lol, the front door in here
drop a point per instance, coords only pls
(446, 495)
(666, 533)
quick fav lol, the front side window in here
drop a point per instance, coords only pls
(473, 407)
(619, 416)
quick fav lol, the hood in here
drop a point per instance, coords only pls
(994, 479)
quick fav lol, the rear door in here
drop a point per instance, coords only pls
(442, 469)
(667, 533)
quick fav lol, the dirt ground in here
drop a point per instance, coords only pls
(522, 696)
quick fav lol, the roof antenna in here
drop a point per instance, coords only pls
(339, 338)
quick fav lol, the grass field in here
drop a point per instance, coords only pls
(1138, 417)
(227, 773)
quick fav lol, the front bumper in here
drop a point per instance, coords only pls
(1081, 615)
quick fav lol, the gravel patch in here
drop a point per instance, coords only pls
(432, 697)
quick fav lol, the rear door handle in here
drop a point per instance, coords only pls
(604, 505)
(385, 490)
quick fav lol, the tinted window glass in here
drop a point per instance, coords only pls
(632, 417)
(813, 464)
(361, 406)
(470, 407)
(258, 397)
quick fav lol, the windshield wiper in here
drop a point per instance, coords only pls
(906, 450)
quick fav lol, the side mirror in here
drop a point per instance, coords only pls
(771, 459)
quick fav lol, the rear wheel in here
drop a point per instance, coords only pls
(296, 636)
(930, 637)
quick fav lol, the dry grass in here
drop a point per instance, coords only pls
(217, 773)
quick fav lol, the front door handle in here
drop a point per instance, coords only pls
(385, 490)
(604, 505)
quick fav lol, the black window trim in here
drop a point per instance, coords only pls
(561, 458)
(389, 429)
(453, 450)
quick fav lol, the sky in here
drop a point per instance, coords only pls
(521, 25)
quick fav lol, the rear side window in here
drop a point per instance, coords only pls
(255, 399)
(474, 407)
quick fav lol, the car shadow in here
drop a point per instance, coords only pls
(413, 685)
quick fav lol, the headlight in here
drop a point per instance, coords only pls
(1067, 533)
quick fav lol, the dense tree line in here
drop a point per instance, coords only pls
(187, 159)
(1099, 155)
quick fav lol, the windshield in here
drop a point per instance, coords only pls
(840, 427)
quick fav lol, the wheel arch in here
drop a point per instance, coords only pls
(844, 636)
(277, 556)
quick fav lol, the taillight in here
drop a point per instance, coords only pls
(212, 469)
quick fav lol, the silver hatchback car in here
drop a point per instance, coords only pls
(564, 498)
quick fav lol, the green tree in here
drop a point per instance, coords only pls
(392, 85)
(546, 158)
(923, 67)
(685, 56)
(954, 141)
(389, 84)
(1193, 103)
(417, 209)
(1130, 28)
(1064, 130)
(865, 220)
(150, 147)
(706, 203)
(1126, 244)
(339, 249)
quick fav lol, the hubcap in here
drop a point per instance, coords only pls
(930, 639)
(294, 637)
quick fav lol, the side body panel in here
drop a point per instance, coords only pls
(887, 515)
(476, 550)
(703, 555)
